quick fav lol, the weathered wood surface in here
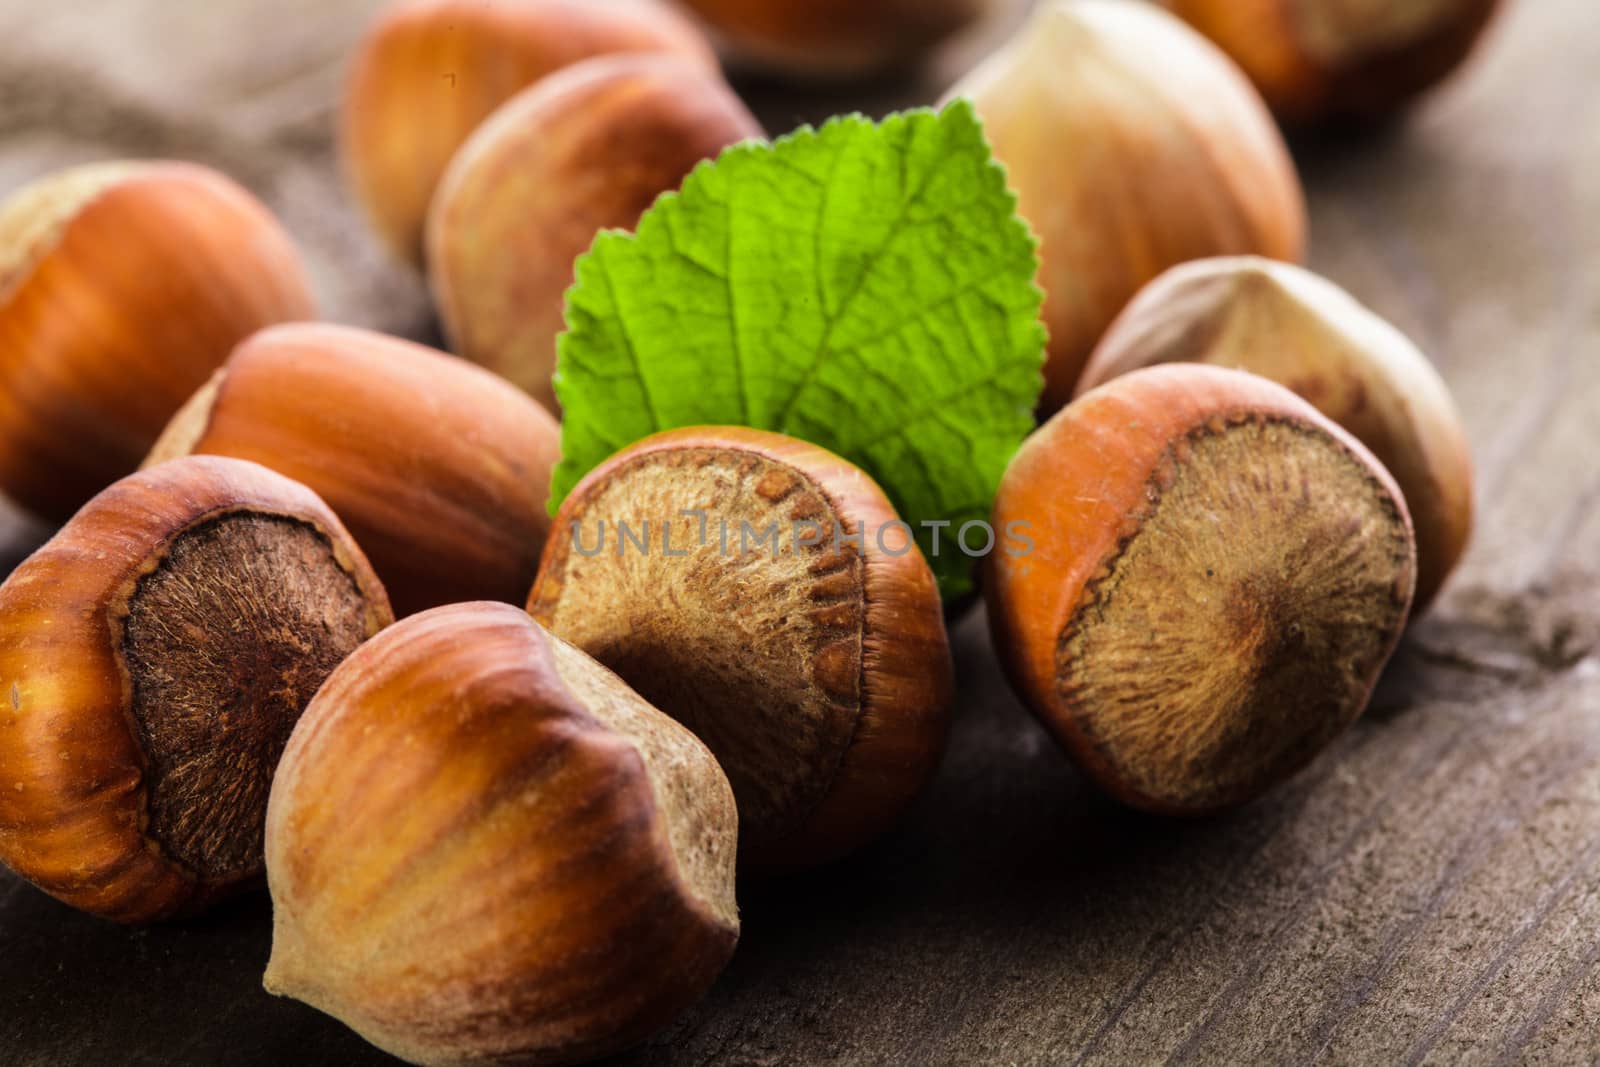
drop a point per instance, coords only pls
(1430, 890)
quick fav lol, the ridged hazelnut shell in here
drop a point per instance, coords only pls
(1303, 332)
(1133, 145)
(440, 469)
(154, 656)
(429, 72)
(1333, 59)
(586, 149)
(122, 287)
(835, 39)
(820, 676)
(1218, 575)
(484, 848)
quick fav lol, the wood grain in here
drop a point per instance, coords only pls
(1427, 892)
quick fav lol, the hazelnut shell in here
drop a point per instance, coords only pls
(586, 149)
(429, 71)
(1133, 144)
(122, 287)
(1303, 332)
(1218, 575)
(484, 848)
(1315, 60)
(440, 469)
(835, 39)
(819, 675)
(154, 656)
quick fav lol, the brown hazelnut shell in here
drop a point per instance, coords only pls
(1303, 332)
(440, 469)
(835, 39)
(586, 149)
(154, 656)
(1218, 575)
(1315, 60)
(484, 848)
(821, 679)
(429, 71)
(122, 287)
(1133, 144)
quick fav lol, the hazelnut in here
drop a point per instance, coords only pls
(813, 662)
(122, 287)
(836, 39)
(441, 470)
(1321, 59)
(484, 848)
(154, 656)
(586, 149)
(1219, 574)
(429, 71)
(1133, 145)
(1304, 332)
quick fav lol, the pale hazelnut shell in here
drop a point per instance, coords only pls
(1303, 332)
(1133, 144)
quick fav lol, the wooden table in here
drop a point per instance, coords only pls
(1429, 890)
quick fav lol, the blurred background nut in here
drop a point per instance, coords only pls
(440, 469)
(1319, 59)
(429, 71)
(586, 149)
(1133, 145)
(485, 848)
(156, 655)
(1303, 332)
(835, 39)
(122, 287)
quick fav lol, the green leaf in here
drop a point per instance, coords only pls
(868, 288)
